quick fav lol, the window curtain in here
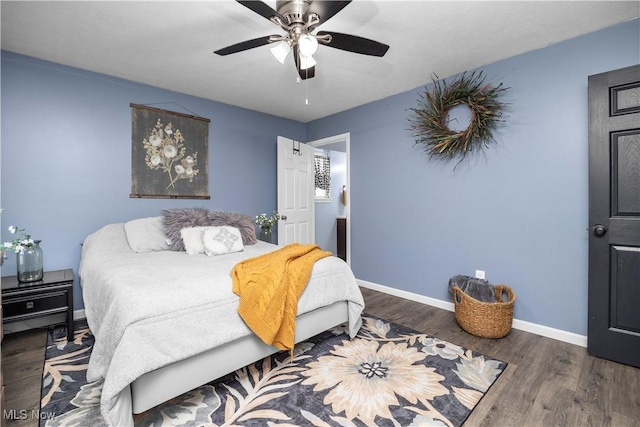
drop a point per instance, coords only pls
(323, 172)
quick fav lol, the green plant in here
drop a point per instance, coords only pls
(20, 243)
(265, 222)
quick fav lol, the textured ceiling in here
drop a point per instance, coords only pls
(170, 45)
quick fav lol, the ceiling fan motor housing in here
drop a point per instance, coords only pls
(293, 10)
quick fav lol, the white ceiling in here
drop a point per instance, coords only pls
(170, 45)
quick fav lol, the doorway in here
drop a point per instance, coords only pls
(339, 205)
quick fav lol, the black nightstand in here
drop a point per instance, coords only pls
(51, 295)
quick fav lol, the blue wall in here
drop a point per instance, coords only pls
(66, 155)
(520, 212)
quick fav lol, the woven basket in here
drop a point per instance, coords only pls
(485, 319)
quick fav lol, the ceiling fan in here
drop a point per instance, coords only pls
(299, 19)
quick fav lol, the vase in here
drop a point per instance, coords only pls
(29, 263)
(265, 235)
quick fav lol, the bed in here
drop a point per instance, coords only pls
(166, 321)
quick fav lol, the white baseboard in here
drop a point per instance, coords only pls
(534, 328)
(79, 314)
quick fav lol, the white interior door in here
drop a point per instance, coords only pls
(295, 192)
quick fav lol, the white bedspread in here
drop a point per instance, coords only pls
(148, 310)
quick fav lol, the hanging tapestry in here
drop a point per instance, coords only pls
(169, 154)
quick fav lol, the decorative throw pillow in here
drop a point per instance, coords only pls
(146, 234)
(192, 239)
(244, 223)
(221, 240)
(176, 219)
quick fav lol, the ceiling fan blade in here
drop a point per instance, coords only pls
(355, 44)
(325, 9)
(249, 44)
(261, 8)
(308, 73)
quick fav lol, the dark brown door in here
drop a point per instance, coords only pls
(614, 215)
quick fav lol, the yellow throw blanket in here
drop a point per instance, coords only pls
(269, 287)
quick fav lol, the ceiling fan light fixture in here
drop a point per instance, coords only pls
(280, 51)
(308, 45)
(306, 62)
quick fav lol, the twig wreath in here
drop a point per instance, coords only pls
(430, 121)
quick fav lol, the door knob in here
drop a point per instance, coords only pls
(599, 230)
(283, 217)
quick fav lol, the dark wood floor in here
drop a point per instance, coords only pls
(22, 363)
(547, 382)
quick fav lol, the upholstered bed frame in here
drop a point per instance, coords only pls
(163, 384)
(150, 350)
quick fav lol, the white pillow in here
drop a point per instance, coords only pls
(192, 239)
(146, 234)
(222, 240)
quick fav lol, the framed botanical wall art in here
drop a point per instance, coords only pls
(169, 154)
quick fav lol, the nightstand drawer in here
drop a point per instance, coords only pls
(38, 300)
(26, 305)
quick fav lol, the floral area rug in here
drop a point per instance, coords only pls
(388, 375)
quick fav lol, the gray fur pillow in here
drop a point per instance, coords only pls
(244, 223)
(175, 220)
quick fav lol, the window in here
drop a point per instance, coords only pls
(322, 165)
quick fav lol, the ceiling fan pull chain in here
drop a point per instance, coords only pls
(306, 88)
